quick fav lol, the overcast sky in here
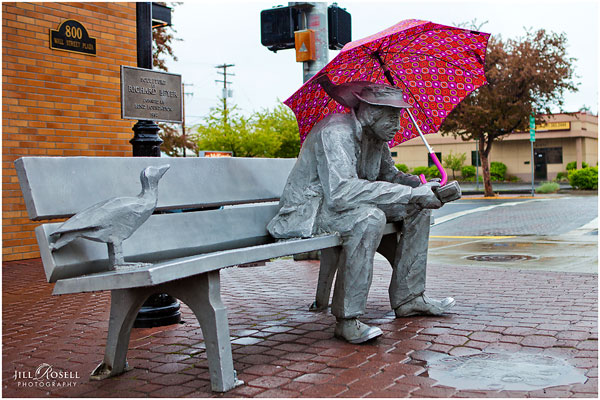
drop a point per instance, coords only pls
(228, 31)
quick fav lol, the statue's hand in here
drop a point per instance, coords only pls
(424, 197)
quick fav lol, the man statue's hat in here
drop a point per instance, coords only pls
(382, 95)
(351, 93)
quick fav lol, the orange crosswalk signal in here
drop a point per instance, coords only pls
(305, 45)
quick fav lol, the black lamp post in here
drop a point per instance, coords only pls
(159, 309)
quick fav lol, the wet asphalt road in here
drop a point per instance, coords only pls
(554, 215)
(547, 233)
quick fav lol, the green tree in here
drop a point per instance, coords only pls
(526, 76)
(280, 123)
(454, 162)
(264, 134)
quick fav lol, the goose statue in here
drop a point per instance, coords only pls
(114, 220)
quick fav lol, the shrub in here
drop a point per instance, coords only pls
(512, 178)
(573, 165)
(548, 187)
(562, 177)
(419, 170)
(468, 171)
(402, 167)
(433, 172)
(472, 179)
(585, 178)
(497, 171)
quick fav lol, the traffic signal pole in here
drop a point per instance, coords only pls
(314, 16)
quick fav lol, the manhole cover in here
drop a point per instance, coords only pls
(500, 257)
(503, 371)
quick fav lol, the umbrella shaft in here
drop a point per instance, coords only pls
(429, 149)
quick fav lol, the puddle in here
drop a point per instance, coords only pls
(503, 371)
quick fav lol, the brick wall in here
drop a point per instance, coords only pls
(58, 103)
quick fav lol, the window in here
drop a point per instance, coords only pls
(394, 154)
(430, 162)
(474, 158)
(554, 155)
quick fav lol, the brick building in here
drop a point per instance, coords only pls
(57, 102)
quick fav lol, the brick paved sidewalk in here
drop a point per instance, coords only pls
(282, 350)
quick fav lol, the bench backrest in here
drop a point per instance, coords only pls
(56, 187)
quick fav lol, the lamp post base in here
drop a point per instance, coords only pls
(158, 310)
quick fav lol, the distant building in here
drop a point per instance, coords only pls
(60, 94)
(562, 139)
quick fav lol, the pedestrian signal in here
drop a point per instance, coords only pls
(305, 45)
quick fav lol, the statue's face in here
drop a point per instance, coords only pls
(385, 122)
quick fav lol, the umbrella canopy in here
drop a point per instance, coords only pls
(435, 65)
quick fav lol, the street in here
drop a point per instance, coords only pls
(552, 232)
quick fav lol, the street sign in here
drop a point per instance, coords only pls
(532, 128)
(150, 95)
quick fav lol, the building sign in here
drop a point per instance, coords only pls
(553, 126)
(150, 95)
(216, 154)
(72, 36)
(549, 126)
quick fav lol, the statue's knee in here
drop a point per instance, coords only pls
(377, 218)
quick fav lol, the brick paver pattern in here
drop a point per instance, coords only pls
(280, 349)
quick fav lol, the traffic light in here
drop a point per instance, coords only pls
(340, 27)
(277, 27)
(278, 24)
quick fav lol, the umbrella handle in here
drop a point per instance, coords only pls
(434, 158)
(439, 167)
(438, 164)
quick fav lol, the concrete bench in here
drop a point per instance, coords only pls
(186, 249)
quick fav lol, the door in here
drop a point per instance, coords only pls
(541, 165)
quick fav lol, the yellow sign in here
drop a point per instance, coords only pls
(553, 126)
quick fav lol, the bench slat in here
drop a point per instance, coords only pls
(55, 187)
(188, 266)
(161, 237)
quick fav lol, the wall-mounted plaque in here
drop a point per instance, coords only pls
(72, 36)
(150, 95)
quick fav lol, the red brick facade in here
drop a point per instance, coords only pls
(58, 103)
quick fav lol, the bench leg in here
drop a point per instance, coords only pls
(202, 293)
(329, 260)
(124, 306)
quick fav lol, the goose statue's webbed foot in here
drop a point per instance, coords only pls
(116, 260)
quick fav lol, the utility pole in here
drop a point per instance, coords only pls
(183, 85)
(225, 82)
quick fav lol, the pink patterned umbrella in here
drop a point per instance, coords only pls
(435, 65)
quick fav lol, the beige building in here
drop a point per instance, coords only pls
(562, 139)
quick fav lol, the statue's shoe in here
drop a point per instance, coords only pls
(354, 331)
(424, 305)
